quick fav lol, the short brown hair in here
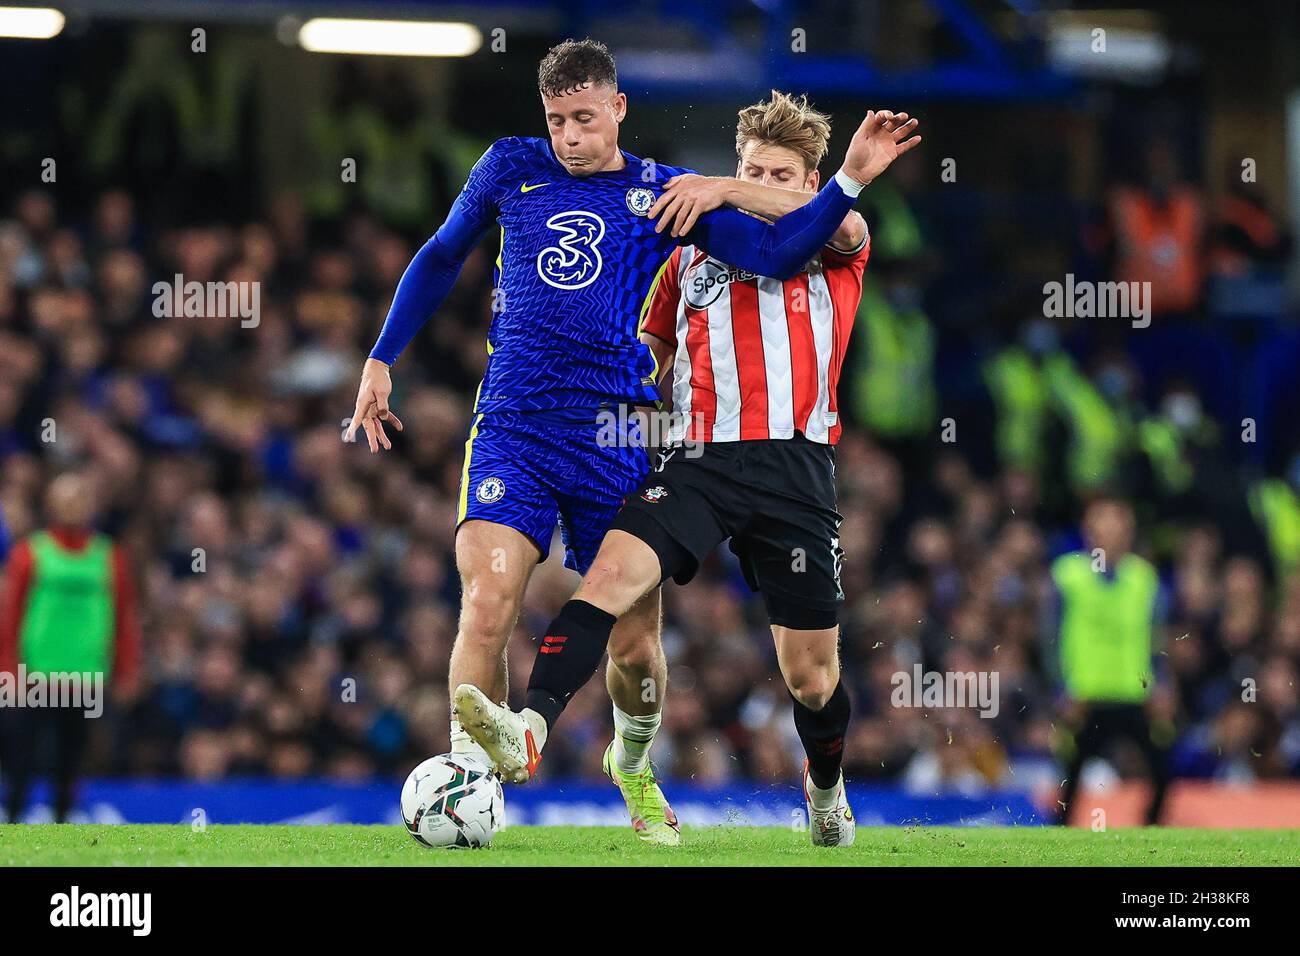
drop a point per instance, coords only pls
(789, 122)
(573, 64)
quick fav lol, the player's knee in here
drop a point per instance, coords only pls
(610, 585)
(487, 614)
(812, 686)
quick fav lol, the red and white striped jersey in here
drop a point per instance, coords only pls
(756, 357)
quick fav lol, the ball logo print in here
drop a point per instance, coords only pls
(452, 801)
(639, 200)
(575, 262)
(490, 490)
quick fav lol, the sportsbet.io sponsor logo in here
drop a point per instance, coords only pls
(707, 280)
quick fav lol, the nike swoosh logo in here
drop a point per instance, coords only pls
(524, 187)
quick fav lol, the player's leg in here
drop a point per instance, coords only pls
(636, 672)
(662, 530)
(506, 517)
(637, 680)
(809, 662)
(790, 553)
(495, 563)
(1157, 758)
(586, 479)
(625, 570)
(21, 741)
(638, 553)
(1087, 743)
(70, 730)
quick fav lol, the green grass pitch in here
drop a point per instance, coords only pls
(102, 845)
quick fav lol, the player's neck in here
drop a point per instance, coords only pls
(615, 163)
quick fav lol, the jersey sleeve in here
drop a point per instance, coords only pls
(476, 208)
(433, 271)
(780, 249)
(852, 259)
(659, 316)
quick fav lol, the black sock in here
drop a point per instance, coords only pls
(822, 733)
(567, 658)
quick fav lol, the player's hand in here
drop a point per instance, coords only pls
(372, 406)
(685, 198)
(881, 139)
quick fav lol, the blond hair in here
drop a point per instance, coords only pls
(786, 121)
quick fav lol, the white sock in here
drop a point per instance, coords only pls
(823, 799)
(463, 743)
(632, 739)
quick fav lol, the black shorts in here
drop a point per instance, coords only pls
(775, 500)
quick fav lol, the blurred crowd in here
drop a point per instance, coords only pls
(297, 595)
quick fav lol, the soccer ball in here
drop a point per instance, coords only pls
(452, 801)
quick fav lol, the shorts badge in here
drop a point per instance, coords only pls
(653, 495)
(490, 490)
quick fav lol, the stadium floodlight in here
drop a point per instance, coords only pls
(389, 37)
(31, 23)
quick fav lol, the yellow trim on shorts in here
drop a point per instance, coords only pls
(463, 506)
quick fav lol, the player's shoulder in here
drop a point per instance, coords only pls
(668, 172)
(652, 172)
(518, 154)
(518, 150)
(672, 266)
(520, 146)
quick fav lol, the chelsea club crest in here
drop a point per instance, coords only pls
(639, 200)
(490, 490)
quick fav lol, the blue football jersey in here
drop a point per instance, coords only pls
(578, 258)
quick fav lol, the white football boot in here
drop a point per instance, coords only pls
(833, 827)
(513, 741)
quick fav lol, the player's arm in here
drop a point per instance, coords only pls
(658, 324)
(662, 351)
(688, 196)
(783, 248)
(421, 290)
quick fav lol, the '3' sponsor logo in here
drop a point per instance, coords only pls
(574, 261)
